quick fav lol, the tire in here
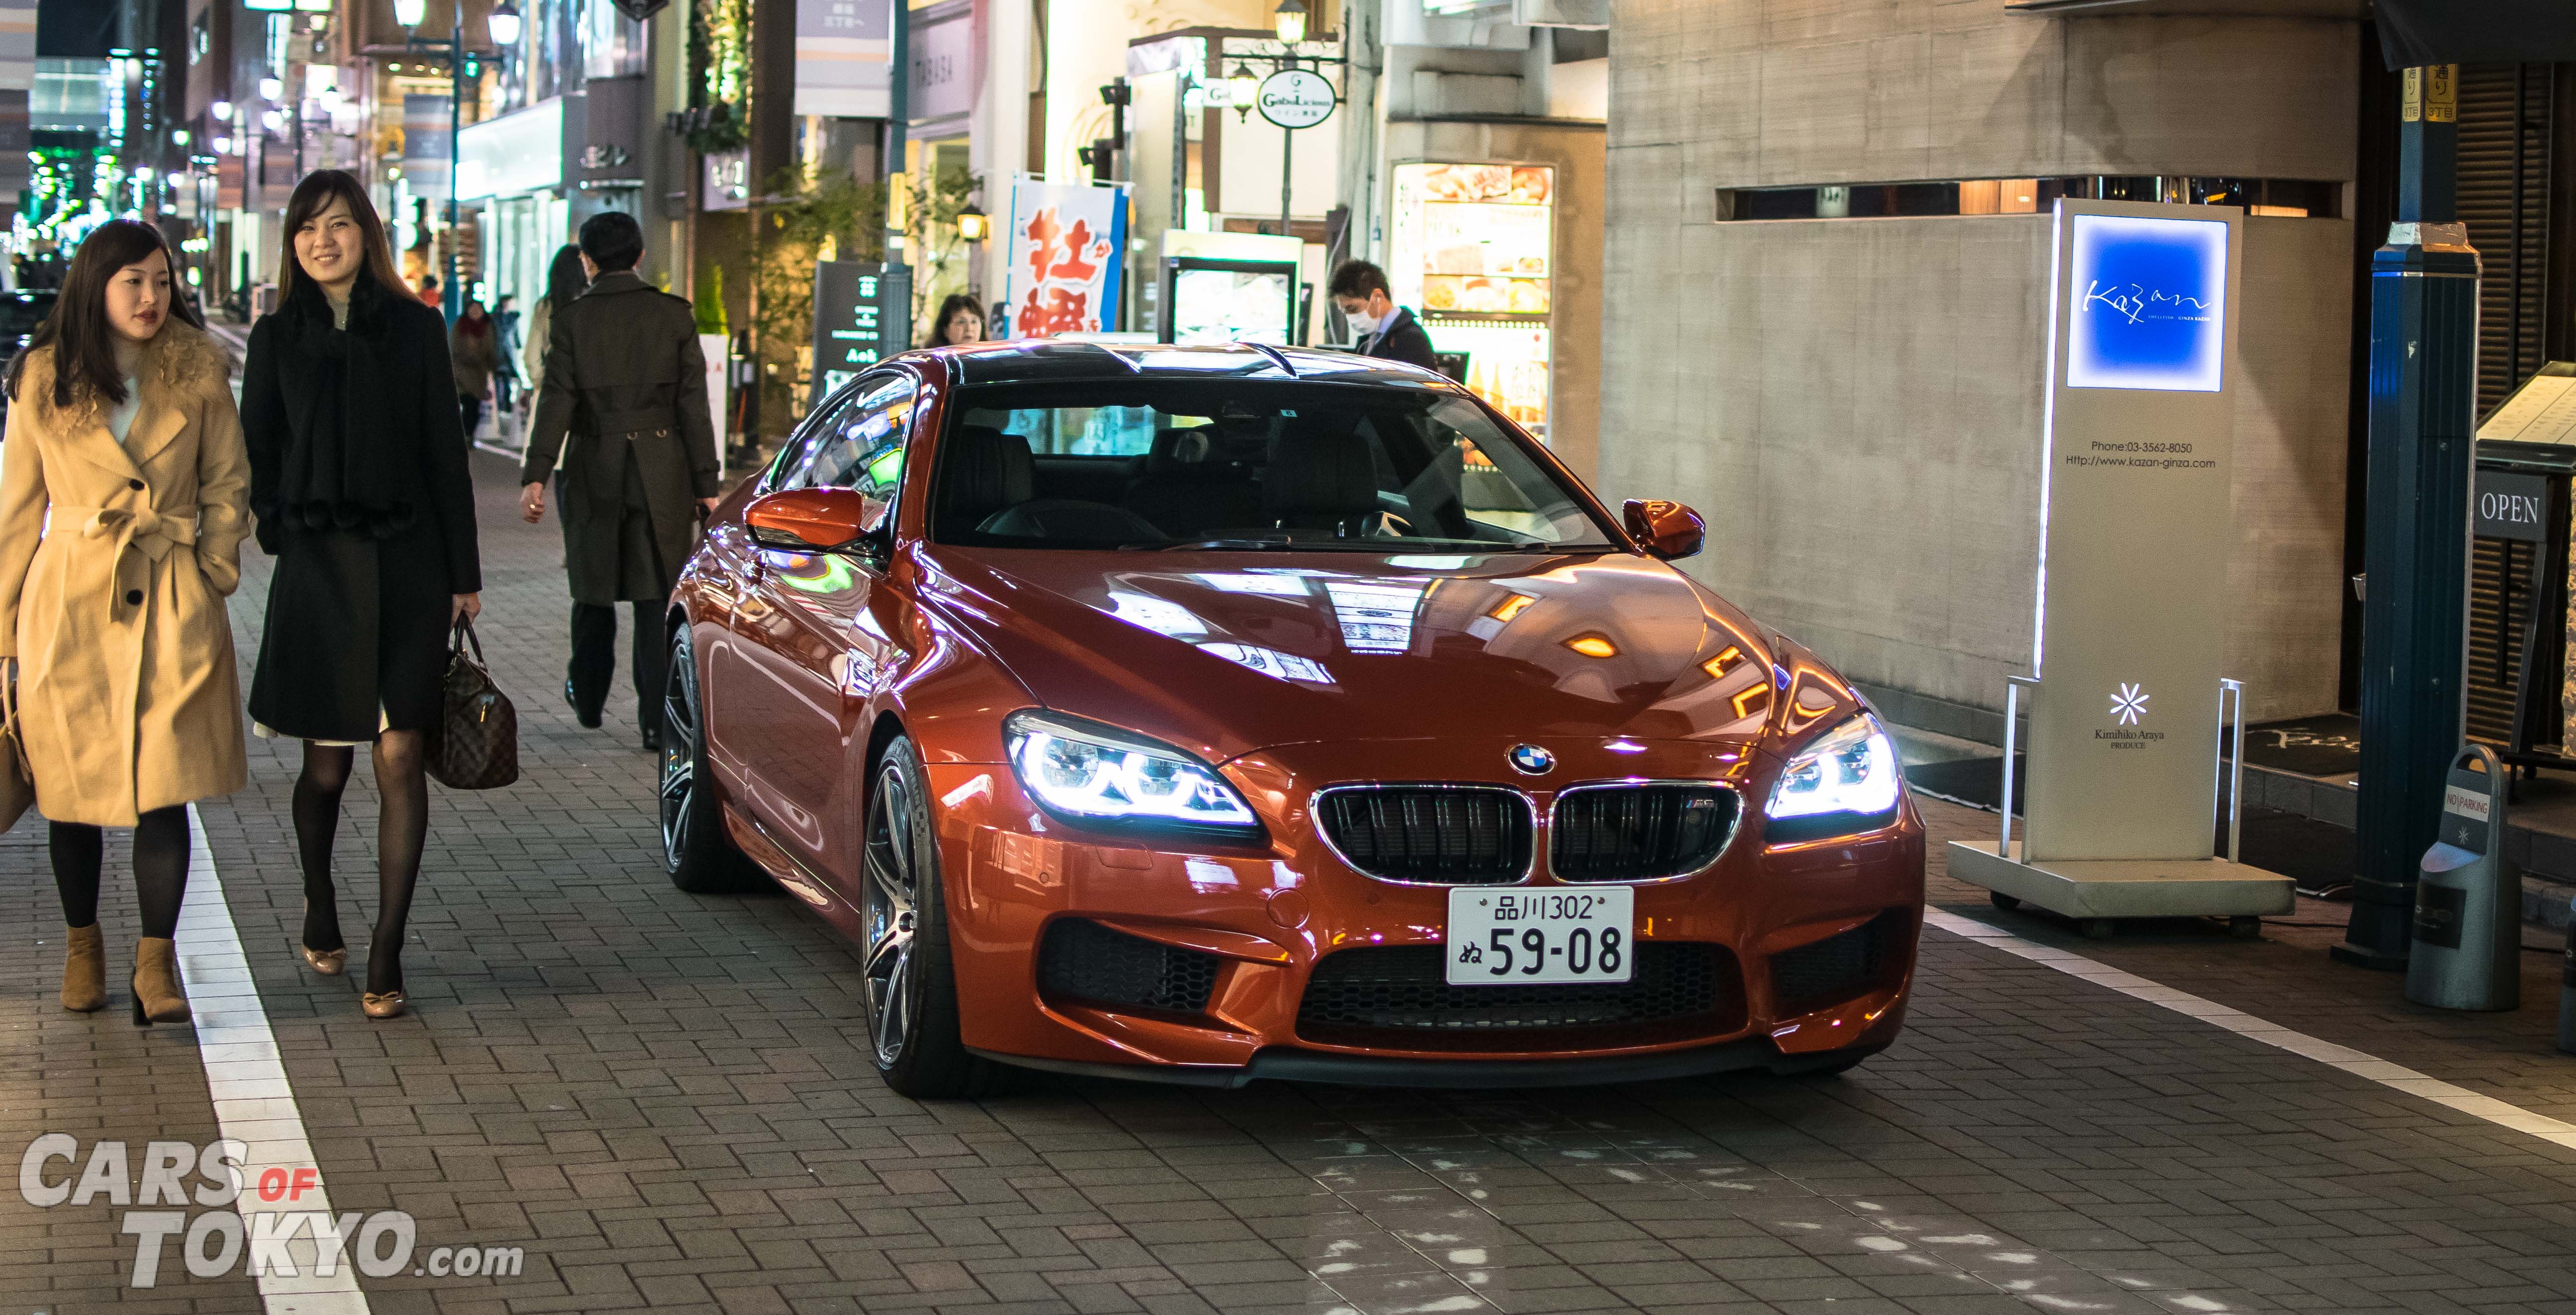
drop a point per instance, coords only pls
(2007, 903)
(2099, 929)
(696, 852)
(909, 978)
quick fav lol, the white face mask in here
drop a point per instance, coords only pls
(1362, 323)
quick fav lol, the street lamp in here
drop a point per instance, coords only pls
(223, 110)
(1241, 87)
(270, 89)
(503, 24)
(973, 225)
(1289, 22)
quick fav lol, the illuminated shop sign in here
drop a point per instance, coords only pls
(2147, 304)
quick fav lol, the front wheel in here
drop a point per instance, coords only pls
(696, 852)
(911, 979)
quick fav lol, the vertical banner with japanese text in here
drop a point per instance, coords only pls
(1068, 247)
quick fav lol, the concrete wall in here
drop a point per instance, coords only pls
(1856, 403)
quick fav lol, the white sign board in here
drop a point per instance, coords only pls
(1295, 98)
(1067, 248)
(2136, 528)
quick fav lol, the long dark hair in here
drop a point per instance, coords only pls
(564, 278)
(84, 342)
(315, 195)
(949, 310)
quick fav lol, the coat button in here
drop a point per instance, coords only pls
(134, 484)
(133, 597)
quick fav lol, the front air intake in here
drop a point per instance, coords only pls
(1082, 960)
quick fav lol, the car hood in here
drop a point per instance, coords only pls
(1224, 653)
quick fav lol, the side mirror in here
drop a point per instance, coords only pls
(1666, 529)
(825, 520)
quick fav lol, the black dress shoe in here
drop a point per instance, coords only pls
(588, 717)
(653, 739)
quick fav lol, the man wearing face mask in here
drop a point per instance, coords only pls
(1385, 329)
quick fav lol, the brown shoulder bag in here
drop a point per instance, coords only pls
(475, 745)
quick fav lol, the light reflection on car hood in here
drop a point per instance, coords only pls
(1226, 652)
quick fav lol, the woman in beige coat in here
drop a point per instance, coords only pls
(124, 498)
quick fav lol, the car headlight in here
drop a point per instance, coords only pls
(1095, 774)
(1845, 780)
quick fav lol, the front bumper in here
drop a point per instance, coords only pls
(1287, 1064)
(1266, 918)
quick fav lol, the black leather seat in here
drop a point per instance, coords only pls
(1321, 476)
(1189, 488)
(983, 472)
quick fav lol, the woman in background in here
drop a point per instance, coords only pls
(565, 280)
(358, 473)
(960, 319)
(122, 431)
(475, 349)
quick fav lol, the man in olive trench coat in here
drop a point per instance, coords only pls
(624, 402)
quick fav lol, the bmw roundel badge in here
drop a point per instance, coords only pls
(1531, 760)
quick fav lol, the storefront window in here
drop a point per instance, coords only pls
(612, 45)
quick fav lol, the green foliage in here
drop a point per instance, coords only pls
(709, 301)
(802, 221)
(720, 73)
(930, 234)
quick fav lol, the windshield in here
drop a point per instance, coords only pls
(1234, 465)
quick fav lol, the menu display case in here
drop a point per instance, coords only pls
(1471, 253)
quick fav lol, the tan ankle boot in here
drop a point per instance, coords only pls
(84, 969)
(157, 994)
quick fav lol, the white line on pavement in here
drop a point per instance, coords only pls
(253, 1101)
(2394, 1076)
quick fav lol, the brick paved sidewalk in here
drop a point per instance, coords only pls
(666, 1100)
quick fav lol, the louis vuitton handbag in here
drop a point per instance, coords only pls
(475, 745)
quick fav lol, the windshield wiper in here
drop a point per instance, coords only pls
(1210, 545)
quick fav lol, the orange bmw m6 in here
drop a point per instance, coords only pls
(1212, 714)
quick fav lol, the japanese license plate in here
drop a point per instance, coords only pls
(1526, 935)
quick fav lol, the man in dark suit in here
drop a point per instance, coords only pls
(624, 399)
(1385, 328)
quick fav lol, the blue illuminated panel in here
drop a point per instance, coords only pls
(2149, 304)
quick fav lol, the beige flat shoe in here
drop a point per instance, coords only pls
(388, 1005)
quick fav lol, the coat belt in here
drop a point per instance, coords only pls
(612, 424)
(152, 533)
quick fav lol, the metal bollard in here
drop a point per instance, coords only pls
(2468, 899)
(2567, 988)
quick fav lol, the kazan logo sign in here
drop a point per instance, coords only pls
(2149, 308)
(1295, 98)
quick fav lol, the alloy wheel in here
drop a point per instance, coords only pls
(891, 890)
(679, 763)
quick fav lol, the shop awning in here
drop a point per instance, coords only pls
(2352, 9)
(2411, 32)
(2418, 32)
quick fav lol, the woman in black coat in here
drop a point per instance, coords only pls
(359, 479)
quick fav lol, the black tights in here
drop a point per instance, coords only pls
(160, 868)
(401, 828)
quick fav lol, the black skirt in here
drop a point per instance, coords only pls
(356, 635)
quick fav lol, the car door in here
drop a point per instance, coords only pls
(733, 565)
(813, 641)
